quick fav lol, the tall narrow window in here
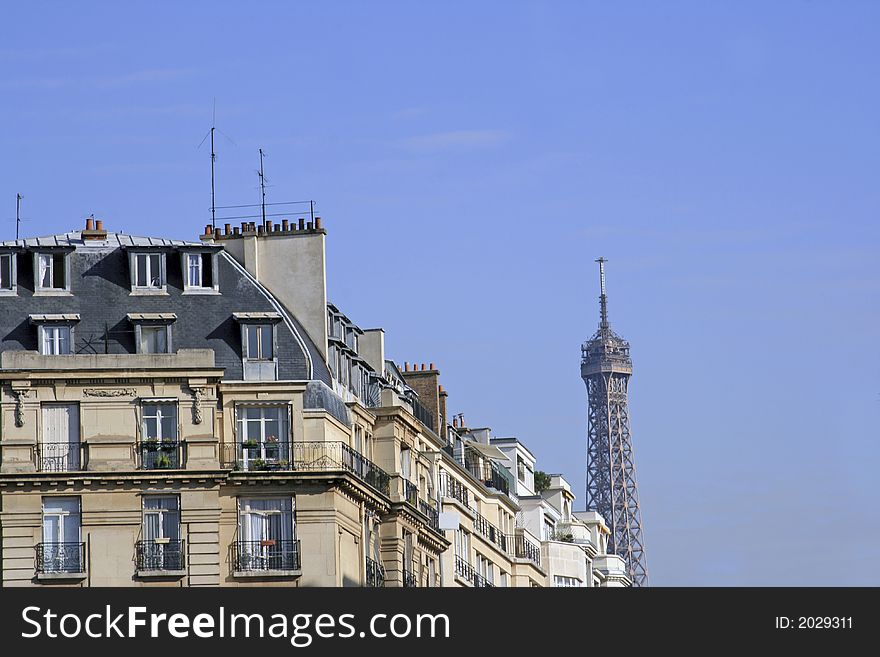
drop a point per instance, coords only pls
(7, 271)
(61, 550)
(160, 547)
(60, 449)
(194, 269)
(160, 446)
(198, 271)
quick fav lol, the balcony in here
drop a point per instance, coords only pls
(449, 487)
(375, 574)
(160, 557)
(409, 580)
(422, 414)
(430, 510)
(485, 470)
(466, 572)
(411, 493)
(59, 457)
(271, 557)
(524, 548)
(490, 532)
(312, 456)
(60, 560)
(159, 455)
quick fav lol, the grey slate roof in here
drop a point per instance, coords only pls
(100, 287)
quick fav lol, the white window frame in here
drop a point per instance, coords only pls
(201, 288)
(12, 288)
(159, 416)
(43, 340)
(38, 280)
(162, 287)
(245, 326)
(161, 512)
(139, 337)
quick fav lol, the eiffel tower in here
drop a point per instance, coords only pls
(606, 367)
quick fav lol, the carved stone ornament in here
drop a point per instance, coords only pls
(198, 393)
(20, 395)
(114, 392)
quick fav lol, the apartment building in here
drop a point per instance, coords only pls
(178, 413)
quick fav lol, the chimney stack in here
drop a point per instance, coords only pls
(94, 230)
(285, 225)
(90, 223)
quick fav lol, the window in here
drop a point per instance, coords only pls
(148, 271)
(51, 271)
(267, 535)
(562, 581)
(7, 272)
(160, 421)
(502, 579)
(405, 463)
(198, 271)
(56, 340)
(61, 549)
(154, 339)
(160, 547)
(259, 341)
(263, 437)
(60, 448)
(463, 545)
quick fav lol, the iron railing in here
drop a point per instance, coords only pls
(430, 510)
(159, 455)
(490, 532)
(59, 457)
(490, 474)
(466, 571)
(410, 581)
(524, 548)
(411, 493)
(311, 456)
(454, 489)
(159, 554)
(268, 555)
(422, 414)
(375, 573)
(60, 558)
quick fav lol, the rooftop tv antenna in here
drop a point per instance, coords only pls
(213, 160)
(262, 187)
(17, 214)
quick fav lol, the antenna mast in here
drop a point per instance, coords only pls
(603, 300)
(17, 214)
(262, 187)
(213, 159)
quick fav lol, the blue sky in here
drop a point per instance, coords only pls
(471, 160)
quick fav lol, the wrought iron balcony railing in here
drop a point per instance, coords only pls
(492, 475)
(524, 548)
(267, 555)
(411, 493)
(159, 455)
(467, 572)
(60, 558)
(409, 580)
(310, 456)
(59, 457)
(490, 532)
(430, 510)
(375, 573)
(450, 487)
(159, 554)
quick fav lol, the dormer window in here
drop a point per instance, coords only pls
(8, 273)
(258, 348)
(51, 272)
(152, 332)
(148, 272)
(199, 272)
(55, 335)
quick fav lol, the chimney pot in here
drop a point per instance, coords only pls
(431, 367)
(252, 226)
(302, 223)
(99, 225)
(276, 228)
(226, 229)
(318, 223)
(285, 225)
(235, 230)
(217, 233)
(207, 229)
(90, 223)
(308, 225)
(268, 225)
(244, 226)
(423, 367)
(405, 366)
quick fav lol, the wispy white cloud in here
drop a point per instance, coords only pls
(455, 140)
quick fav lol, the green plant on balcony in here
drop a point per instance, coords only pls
(163, 461)
(250, 442)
